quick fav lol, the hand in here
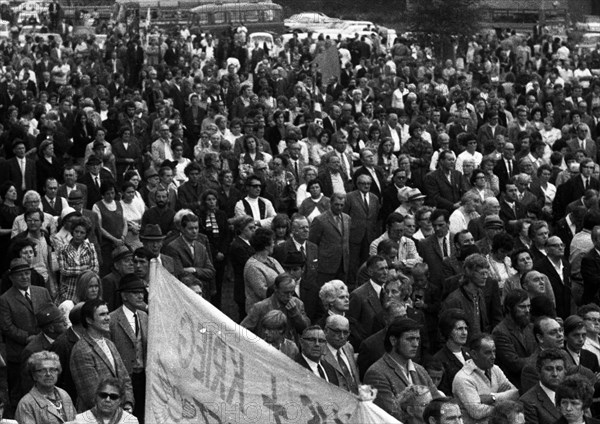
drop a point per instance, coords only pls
(190, 269)
(486, 399)
(419, 304)
(220, 256)
(119, 242)
(292, 306)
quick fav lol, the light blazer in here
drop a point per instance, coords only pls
(89, 365)
(363, 222)
(35, 408)
(17, 318)
(62, 191)
(178, 249)
(351, 386)
(366, 311)
(539, 409)
(334, 246)
(123, 336)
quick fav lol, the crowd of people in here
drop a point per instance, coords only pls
(430, 228)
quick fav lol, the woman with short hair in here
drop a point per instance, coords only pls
(107, 409)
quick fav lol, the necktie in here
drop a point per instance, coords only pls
(97, 182)
(340, 224)
(303, 252)
(22, 163)
(445, 247)
(488, 374)
(296, 169)
(344, 368)
(28, 297)
(587, 183)
(136, 324)
(509, 168)
(322, 372)
(366, 202)
(52, 203)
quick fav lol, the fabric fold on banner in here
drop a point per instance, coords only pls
(204, 368)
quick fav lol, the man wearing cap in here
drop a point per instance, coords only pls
(93, 179)
(414, 200)
(71, 184)
(18, 308)
(20, 169)
(122, 265)
(53, 323)
(152, 238)
(395, 371)
(51, 202)
(191, 253)
(129, 333)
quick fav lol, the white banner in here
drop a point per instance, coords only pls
(204, 368)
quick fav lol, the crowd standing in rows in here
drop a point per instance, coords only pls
(427, 227)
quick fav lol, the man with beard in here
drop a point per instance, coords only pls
(161, 214)
(539, 401)
(514, 335)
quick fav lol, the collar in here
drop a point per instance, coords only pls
(298, 245)
(129, 314)
(312, 364)
(376, 287)
(50, 339)
(25, 291)
(549, 392)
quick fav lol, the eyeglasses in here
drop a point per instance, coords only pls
(314, 340)
(47, 371)
(112, 396)
(339, 332)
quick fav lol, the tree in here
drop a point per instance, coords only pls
(443, 22)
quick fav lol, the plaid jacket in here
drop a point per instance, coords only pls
(73, 262)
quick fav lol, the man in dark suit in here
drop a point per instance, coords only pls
(365, 311)
(514, 336)
(583, 142)
(93, 180)
(486, 135)
(90, 363)
(340, 354)
(506, 167)
(391, 129)
(389, 196)
(122, 259)
(63, 346)
(20, 169)
(71, 184)
(575, 188)
(192, 254)
(435, 248)
(577, 355)
(240, 251)
(511, 210)
(331, 122)
(312, 349)
(295, 162)
(18, 308)
(330, 231)
(129, 332)
(445, 186)
(368, 168)
(363, 208)
(332, 177)
(561, 284)
(539, 408)
(590, 269)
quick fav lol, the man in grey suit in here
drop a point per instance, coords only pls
(340, 354)
(539, 400)
(331, 233)
(18, 323)
(129, 332)
(363, 208)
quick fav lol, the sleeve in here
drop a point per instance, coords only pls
(85, 375)
(529, 377)
(26, 411)
(269, 213)
(386, 396)
(299, 319)
(315, 232)
(412, 256)
(255, 280)
(239, 209)
(506, 353)
(9, 329)
(207, 271)
(15, 228)
(531, 415)
(466, 391)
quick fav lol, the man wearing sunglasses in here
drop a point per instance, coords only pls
(340, 354)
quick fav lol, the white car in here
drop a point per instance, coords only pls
(307, 20)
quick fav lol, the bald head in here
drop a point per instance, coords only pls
(491, 206)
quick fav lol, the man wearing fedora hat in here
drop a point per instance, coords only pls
(152, 238)
(18, 308)
(414, 200)
(122, 258)
(93, 180)
(53, 323)
(129, 333)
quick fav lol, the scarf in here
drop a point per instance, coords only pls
(211, 224)
(114, 420)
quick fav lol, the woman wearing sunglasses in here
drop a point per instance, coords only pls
(108, 409)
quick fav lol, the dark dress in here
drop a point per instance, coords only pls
(7, 217)
(112, 222)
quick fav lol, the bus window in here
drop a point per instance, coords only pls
(201, 18)
(235, 16)
(251, 16)
(219, 17)
(268, 16)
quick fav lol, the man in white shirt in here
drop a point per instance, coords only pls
(539, 401)
(255, 206)
(480, 384)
